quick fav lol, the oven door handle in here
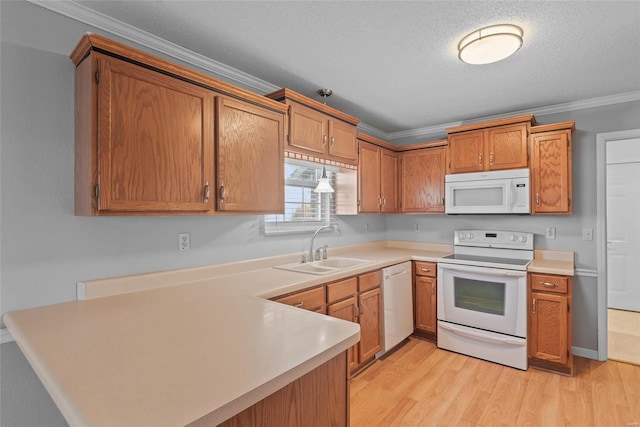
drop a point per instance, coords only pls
(486, 271)
(480, 336)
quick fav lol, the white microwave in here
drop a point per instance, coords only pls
(494, 192)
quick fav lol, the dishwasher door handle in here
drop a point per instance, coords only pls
(397, 274)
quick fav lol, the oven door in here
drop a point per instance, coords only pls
(486, 298)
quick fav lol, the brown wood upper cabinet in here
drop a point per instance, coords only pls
(149, 133)
(497, 145)
(551, 181)
(318, 130)
(377, 179)
(144, 140)
(422, 180)
(250, 157)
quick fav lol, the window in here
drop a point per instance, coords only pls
(304, 210)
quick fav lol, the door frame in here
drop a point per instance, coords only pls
(601, 236)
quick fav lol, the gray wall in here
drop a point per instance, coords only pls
(46, 250)
(589, 122)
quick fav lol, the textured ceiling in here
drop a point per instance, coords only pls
(394, 64)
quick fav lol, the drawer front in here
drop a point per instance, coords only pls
(309, 300)
(424, 268)
(548, 283)
(342, 289)
(369, 281)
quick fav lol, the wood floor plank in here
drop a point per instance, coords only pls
(425, 386)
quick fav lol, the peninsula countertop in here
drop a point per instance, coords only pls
(168, 348)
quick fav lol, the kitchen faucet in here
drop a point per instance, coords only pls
(310, 255)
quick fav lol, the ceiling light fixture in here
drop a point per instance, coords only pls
(324, 93)
(490, 44)
(323, 183)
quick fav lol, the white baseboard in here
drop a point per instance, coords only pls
(585, 352)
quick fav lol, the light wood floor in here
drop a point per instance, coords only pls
(624, 336)
(421, 385)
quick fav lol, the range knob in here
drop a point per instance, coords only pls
(471, 235)
(523, 239)
(514, 237)
(463, 236)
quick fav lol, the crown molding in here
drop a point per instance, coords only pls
(602, 101)
(103, 22)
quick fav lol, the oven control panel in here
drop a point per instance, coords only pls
(493, 239)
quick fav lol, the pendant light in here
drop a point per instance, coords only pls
(490, 44)
(323, 183)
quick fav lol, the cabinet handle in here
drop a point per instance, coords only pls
(426, 270)
(384, 201)
(442, 202)
(479, 159)
(222, 191)
(491, 158)
(355, 310)
(361, 309)
(534, 306)
(207, 192)
(549, 284)
(298, 305)
(379, 201)
(333, 140)
(537, 199)
(433, 288)
(324, 139)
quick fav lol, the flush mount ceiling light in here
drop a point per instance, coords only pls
(490, 44)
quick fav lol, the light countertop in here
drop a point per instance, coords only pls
(168, 348)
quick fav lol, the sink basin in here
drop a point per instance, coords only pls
(326, 266)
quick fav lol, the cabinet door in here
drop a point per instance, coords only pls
(507, 146)
(307, 129)
(548, 333)
(155, 141)
(551, 172)
(389, 165)
(369, 178)
(466, 152)
(426, 315)
(250, 158)
(422, 181)
(370, 324)
(343, 143)
(346, 310)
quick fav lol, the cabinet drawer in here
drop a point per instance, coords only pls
(342, 289)
(547, 283)
(424, 268)
(309, 300)
(369, 280)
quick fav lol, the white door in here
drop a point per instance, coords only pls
(623, 223)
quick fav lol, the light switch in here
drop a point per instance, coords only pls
(587, 234)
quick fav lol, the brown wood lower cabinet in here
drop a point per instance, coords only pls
(550, 322)
(317, 399)
(425, 290)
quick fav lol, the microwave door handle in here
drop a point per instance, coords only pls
(488, 272)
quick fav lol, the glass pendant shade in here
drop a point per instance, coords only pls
(490, 44)
(324, 186)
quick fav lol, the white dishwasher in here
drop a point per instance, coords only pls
(397, 302)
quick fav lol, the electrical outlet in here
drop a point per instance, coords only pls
(551, 232)
(587, 234)
(183, 242)
(417, 229)
(366, 227)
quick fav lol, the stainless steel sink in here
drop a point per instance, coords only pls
(325, 266)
